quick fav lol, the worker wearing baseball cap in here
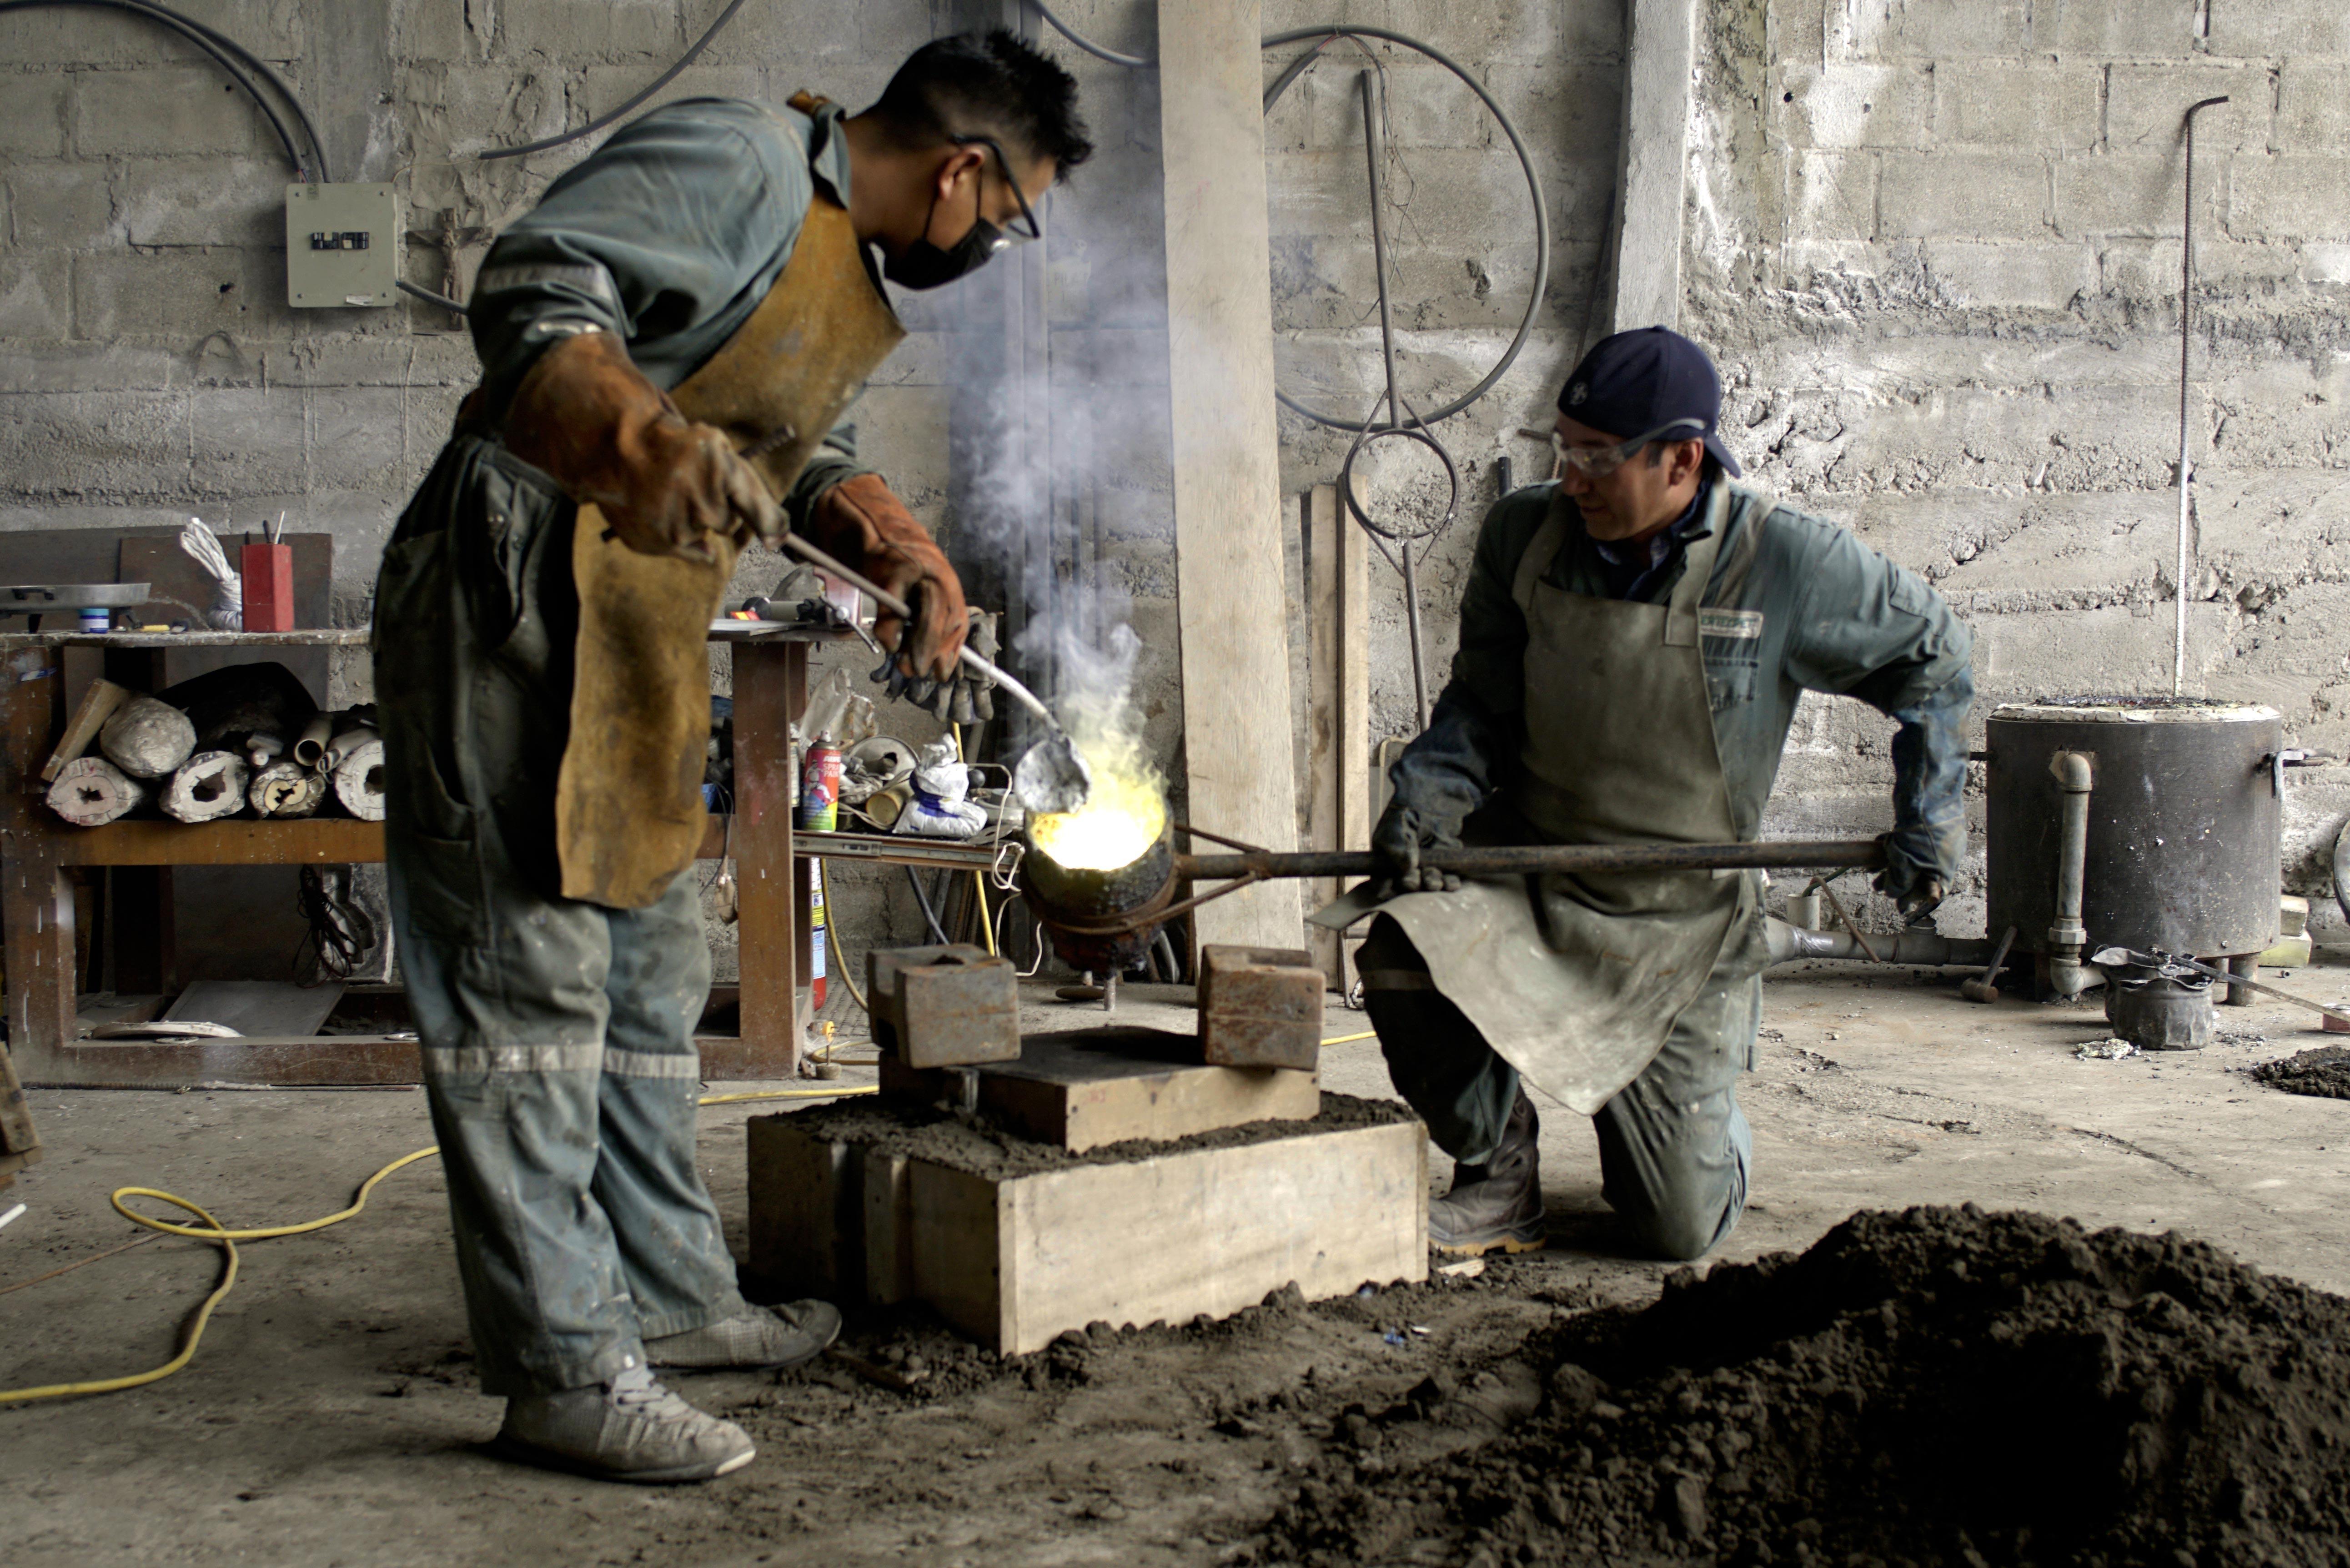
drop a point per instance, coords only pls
(1634, 638)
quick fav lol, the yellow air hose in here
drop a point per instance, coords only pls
(213, 1231)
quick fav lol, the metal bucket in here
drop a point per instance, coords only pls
(2160, 1013)
(2185, 823)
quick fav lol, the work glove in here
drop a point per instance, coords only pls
(1912, 877)
(1396, 844)
(612, 439)
(969, 698)
(864, 524)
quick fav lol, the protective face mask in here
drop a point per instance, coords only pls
(924, 266)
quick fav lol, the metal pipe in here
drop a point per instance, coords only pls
(1789, 943)
(2068, 975)
(2185, 342)
(1373, 148)
(1411, 628)
(1532, 860)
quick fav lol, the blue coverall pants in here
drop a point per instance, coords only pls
(1674, 1148)
(557, 1035)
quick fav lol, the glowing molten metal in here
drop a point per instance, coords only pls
(1119, 823)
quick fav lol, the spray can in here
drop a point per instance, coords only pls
(815, 939)
(820, 786)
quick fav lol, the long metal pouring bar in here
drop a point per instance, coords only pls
(1512, 860)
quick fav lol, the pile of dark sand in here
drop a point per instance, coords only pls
(1938, 1386)
(2324, 1071)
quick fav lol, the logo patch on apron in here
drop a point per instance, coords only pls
(1742, 624)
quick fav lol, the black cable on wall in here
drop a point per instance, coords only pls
(601, 120)
(234, 59)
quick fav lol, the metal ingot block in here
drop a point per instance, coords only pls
(1260, 1007)
(944, 1006)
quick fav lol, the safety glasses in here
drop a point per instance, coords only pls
(1024, 228)
(1599, 461)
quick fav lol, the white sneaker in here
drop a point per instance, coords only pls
(629, 1429)
(763, 1338)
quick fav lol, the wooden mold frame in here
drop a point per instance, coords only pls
(1014, 1261)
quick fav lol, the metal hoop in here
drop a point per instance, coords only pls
(1509, 128)
(1533, 190)
(1410, 433)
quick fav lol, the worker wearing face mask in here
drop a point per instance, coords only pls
(668, 342)
(1634, 639)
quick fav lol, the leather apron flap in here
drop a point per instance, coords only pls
(1577, 981)
(629, 813)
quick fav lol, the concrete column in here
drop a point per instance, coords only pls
(1660, 56)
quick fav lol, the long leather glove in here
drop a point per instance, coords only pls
(1396, 845)
(861, 522)
(611, 439)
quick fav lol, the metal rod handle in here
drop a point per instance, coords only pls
(2186, 346)
(1510, 860)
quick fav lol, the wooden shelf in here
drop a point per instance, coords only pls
(319, 840)
(305, 841)
(322, 637)
(38, 852)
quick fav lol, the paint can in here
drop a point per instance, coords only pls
(820, 786)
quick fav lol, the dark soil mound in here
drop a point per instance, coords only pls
(2323, 1072)
(1939, 1386)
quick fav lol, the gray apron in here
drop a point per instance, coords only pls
(1576, 980)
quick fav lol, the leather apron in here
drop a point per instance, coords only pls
(629, 813)
(1577, 981)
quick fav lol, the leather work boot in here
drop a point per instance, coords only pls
(1498, 1205)
(766, 1337)
(629, 1429)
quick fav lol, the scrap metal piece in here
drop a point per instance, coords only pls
(1260, 1007)
(944, 1006)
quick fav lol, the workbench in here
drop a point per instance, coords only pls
(38, 852)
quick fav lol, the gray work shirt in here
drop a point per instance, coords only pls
(668, 234)
(1794, 604)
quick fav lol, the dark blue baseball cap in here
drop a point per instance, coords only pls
(1636, 381)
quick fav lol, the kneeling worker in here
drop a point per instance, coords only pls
(667, 343)
(1634, 639)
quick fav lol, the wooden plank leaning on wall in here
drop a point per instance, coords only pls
(1338, 724)
(1231, 603)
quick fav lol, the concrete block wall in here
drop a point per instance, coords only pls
(1461, 247)
(150, 365)
(1935, 244)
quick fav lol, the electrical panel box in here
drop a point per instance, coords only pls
(342, 245)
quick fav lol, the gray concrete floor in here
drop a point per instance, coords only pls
(330, 1418)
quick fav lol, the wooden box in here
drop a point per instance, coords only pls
(1014, 1260)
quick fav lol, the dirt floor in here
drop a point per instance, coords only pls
(331, 1417)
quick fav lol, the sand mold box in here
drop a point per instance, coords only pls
(924, 1132)
(1938, 1387)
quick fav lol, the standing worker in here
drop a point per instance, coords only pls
(698, 287)
(1634, 639)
